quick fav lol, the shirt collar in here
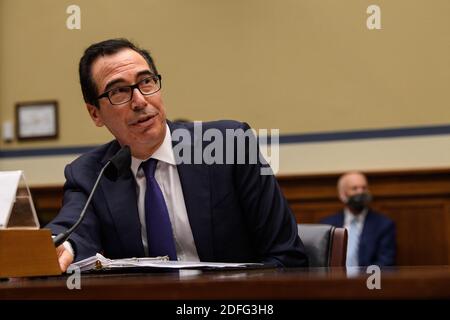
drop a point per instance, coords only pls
(164, 153)
(349, 216)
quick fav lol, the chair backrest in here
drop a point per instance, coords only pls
(325, 245)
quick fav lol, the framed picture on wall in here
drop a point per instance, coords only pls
(37, 120)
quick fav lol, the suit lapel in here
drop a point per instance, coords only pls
(340, 220)
(122, 204)
(365, 247)
(196, 188)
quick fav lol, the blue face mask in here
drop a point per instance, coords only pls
(359, 202)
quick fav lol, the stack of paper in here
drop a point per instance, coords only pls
(99, 262)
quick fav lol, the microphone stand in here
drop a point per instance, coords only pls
(60, 238)
(115, 167)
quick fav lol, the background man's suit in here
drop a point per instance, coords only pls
(377, 244)
(236, 214)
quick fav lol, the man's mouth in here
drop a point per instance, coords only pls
(142, 119)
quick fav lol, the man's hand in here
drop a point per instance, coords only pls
(65, 257)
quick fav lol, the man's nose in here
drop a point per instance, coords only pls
(138, 100)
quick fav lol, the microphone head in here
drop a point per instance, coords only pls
(119, 164)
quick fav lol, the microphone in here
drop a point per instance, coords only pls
(113, 169)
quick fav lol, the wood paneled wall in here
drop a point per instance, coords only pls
(47, 201)
(418, 202)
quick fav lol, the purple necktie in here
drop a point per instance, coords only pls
(159, 230)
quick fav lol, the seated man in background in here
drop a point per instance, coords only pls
(371, 236)
(187, 211)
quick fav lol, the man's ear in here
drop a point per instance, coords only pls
(94, 112)
(342, 196)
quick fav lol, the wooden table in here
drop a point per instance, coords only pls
(427, 282)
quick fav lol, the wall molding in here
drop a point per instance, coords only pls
(284, 139)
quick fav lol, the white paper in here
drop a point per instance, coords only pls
(99, 262)
(9, 181)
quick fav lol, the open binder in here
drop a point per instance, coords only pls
(25, 250)
(100, 263)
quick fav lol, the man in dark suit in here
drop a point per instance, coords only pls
(371, 235)
(223, 211)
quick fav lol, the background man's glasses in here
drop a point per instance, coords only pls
(120, 95)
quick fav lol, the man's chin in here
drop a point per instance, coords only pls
(149, 137)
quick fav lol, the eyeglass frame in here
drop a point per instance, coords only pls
(132, 87)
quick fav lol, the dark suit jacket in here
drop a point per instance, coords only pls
(235, 213)
(377, 244)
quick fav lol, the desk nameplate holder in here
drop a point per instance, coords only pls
(25, 250)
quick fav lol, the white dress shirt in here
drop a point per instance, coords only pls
(354, 235)
(360, 218)
(166, 174)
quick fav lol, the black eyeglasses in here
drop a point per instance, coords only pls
(120, 95)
